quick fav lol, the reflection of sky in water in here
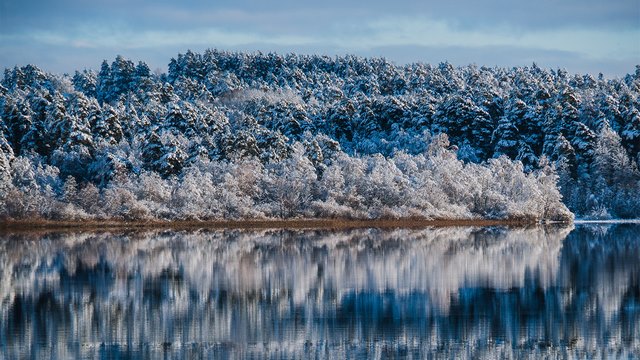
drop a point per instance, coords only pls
(449, 292)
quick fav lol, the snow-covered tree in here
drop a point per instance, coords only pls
(357, 131)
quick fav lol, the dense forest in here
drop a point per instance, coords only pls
(225, 135)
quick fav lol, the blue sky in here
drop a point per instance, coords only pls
(579, 35)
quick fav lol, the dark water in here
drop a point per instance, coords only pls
(435, 293)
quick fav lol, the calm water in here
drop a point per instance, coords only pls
(439, 293)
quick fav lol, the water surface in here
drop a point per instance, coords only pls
(444, 292)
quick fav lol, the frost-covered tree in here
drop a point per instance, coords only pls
(617, 179)
(16, 115)
(104, 83)
(6, 156)
(466, 124)
(289, 184)
(631, 134)
(505, 138)
(86, 82)
(357, 130)
(108, 127)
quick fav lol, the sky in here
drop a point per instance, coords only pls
(581, 36)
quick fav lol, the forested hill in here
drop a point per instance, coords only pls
(239, 135)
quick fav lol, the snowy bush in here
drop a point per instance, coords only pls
(432, 185)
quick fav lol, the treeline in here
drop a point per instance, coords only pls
(316, 136)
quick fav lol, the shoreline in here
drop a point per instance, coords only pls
(337, 224)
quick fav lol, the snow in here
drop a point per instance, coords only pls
(218, 111)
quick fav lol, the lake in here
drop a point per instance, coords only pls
(457, 292)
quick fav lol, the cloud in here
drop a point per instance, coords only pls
(107, 37)
(593, 31)
(388, 31)
(469, 14)
(425, 32)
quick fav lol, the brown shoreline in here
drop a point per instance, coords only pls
(87, 225)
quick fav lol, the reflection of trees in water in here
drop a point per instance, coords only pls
(438, 261)
(431, 290)
(600, 271)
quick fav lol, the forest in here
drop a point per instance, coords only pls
(231, 135)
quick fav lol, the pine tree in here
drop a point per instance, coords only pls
(527, 156)
(339, 120)
(104, 84)
(86, 82)
(631, 134)
(562, 154)
(6, 156)
(505, 139)
(181, 117)
(36, 139)
(466, 124)
(76, 151)
(584, 141)
(152, 150)
(122, 77)
(506, 136)
(141, 73)
(108, 127)
(58, 124)
(17, 117)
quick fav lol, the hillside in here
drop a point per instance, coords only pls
(241, 136)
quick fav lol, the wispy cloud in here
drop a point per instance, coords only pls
(425, 32)
(383, 32)
(593, 31)
(93, 37)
